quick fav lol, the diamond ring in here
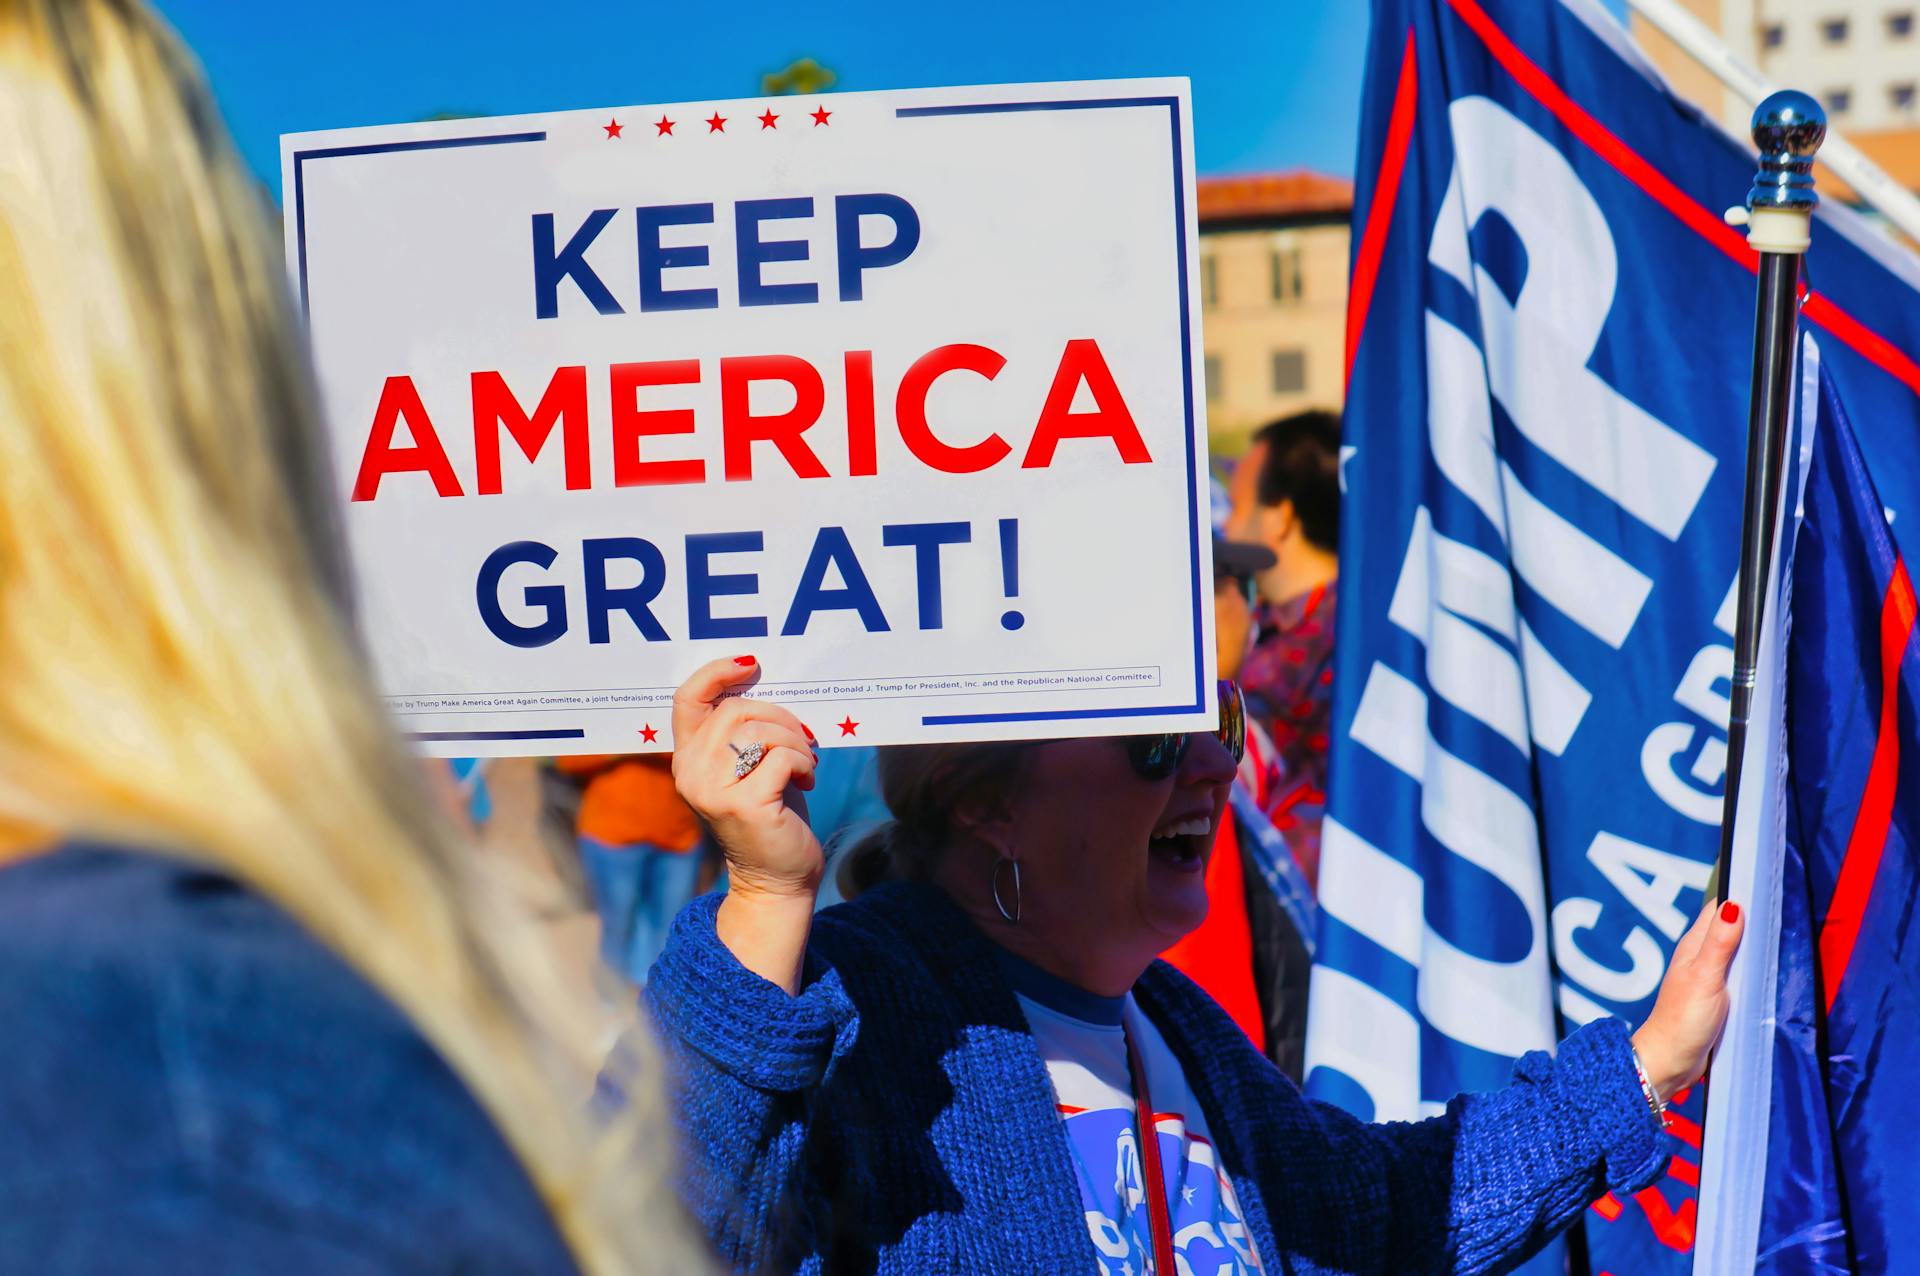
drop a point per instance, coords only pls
(744, 760)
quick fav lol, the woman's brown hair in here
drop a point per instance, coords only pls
(927, 787)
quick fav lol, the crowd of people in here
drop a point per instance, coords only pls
(276, 996)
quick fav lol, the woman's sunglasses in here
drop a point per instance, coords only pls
(1155, 757)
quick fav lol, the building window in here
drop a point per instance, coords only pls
(1213, 378)
(1209, 281)
(1901, 97)
(1834, 31)
(1285, 264)
(1900, 25)
(1838, 100)
(1289, 371)
(1773, 35)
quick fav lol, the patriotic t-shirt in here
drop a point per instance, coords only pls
(1082, 1040)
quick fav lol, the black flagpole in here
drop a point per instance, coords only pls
(1788, 127)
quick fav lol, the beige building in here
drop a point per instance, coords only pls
(1273, 292)
(1861, 58)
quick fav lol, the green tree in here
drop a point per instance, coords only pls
(802, 75)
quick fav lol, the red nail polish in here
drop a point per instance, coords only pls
(748, 661)
(1729, 912)
(809, 730)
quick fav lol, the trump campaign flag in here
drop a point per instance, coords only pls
(1549, 344)
(1816, 1087)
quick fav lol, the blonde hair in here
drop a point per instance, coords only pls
(176, 665)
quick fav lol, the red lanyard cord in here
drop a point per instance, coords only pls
(1159, 1222)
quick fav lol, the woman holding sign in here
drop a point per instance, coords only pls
(948, 1074)
(261, 1010)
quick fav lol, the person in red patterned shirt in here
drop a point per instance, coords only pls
(1288, 677)
(1220, 954)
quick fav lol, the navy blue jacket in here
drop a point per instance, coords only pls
(896, 1117)
(190, 1083)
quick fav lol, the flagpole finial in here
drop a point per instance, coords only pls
(1788, 127)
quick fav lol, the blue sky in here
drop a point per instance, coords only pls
(1276, 84)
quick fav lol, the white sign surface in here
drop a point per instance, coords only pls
(894, 391)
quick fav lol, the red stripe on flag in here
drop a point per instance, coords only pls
(1386, 192)
(1601, 140)
(1819, 309)
(1840, 930)
(1864, 341)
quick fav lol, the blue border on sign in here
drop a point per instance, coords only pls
(1186, 391)
(300, 159)
(554, 733)
(1172, 104)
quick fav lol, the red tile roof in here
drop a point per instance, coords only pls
(1257, 196)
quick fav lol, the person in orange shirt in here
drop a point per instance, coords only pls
(639, 846)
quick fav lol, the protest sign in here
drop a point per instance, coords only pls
(896, 391)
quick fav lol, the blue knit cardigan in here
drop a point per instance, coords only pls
(896, 1117)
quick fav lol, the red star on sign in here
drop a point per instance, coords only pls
(847, 725)
(820, 116)
(716, 123)
(648, 734)
(612, 127)
(664, 127)
(767, 120)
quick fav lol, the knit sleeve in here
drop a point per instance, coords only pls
(1483, 1187)
(746, 1058)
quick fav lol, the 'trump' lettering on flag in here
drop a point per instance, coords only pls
(898, 393)
(1549, 342)
(1810, 1160)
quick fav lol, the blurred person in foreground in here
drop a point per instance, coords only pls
(946, 1074)
(1288, 676)
(262, 1011)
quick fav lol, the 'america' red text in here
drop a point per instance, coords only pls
(957, 449)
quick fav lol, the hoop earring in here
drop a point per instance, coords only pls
(994, 883)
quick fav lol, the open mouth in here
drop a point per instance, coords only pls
(1182, 843)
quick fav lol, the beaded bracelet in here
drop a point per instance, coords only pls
(1654, 1105)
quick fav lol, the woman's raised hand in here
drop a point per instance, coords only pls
(774, 862)
(1692, 1006)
